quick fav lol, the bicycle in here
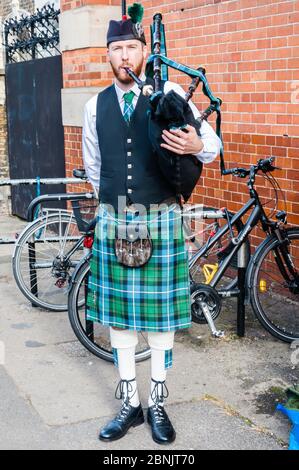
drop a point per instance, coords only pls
(94, 336)
(49, 248)
(205, 298)
(272, 273)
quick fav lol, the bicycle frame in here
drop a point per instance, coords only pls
(66, 257)
(256, 215)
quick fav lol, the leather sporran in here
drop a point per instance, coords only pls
(131, 250)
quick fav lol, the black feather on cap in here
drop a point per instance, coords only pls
(127, 28)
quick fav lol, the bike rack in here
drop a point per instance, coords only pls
(39, 181)
(239, 292)
(30, 216)
(55, 197)
(242, 266)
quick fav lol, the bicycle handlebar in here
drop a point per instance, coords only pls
(241, 172)
(264, 165)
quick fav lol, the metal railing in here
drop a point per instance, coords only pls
(32, 37)
(37, 201)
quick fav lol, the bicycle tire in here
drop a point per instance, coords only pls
(257, 289)
(74, 317)
(55, 299)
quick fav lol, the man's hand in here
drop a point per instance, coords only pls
(181, 142)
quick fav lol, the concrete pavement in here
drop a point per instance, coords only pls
(55, 394)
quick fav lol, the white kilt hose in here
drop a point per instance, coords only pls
(122, 339)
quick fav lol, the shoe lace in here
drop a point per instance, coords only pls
(123, 413)
(122, 391)
(158, 398)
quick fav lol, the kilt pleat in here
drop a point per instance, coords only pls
(154, 297)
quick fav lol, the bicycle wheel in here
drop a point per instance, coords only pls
(41, 267)
(198, 231)
(275, 300)
(93, 335)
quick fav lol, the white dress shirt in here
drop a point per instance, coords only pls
(90, 144)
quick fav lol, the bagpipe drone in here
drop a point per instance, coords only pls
(171, 110)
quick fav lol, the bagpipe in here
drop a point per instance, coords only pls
(170, 110)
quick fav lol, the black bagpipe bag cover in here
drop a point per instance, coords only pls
(181, 171)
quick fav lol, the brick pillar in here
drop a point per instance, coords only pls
(83, 26)
(28, 5)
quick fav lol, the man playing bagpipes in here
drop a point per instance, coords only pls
(141, 284)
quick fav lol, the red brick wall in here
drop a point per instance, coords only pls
(76, 73)
(251, 52)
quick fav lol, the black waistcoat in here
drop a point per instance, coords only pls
(129, 167)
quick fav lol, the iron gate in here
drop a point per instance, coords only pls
(33, 102)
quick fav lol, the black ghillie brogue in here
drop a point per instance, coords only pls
(128, 416)
(162, 429)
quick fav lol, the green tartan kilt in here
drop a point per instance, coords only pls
(154, 297)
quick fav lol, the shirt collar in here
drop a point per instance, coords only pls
(120, 92)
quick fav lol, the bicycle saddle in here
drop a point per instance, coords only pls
(80, 173)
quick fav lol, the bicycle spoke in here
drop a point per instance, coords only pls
(274, 301)
(62, 250)
(40, 278)
(99, 342)
(43, 282)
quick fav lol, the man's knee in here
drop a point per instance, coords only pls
(161, 340)
(123, 337)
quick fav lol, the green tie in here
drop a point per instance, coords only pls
(128, 108)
